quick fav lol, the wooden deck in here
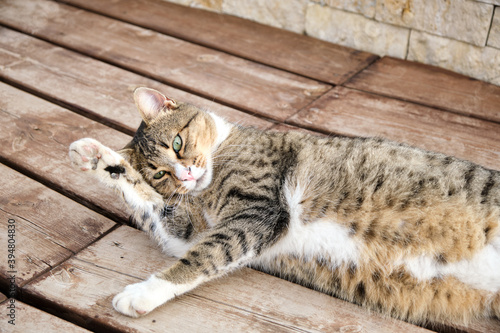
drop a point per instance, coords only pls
(67, 71)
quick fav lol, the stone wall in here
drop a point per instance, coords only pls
(460, 35)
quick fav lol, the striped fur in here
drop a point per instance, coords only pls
(407, 232)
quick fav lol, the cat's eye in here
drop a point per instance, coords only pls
(159, 174)
(177, 144)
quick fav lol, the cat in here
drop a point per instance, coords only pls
(409, 233)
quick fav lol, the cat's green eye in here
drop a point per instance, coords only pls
(177, 144)
(159, 174)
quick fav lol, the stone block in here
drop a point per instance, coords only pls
(482, 63)
(494, 37)
(285, 14)
(463, 20)
(356, 31)
(213, 5)
(365, 7)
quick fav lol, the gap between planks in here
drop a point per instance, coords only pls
(253, 300)
(307, 56)
(232, 81)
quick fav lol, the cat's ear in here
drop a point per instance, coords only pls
(151, 102)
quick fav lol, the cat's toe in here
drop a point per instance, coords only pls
(125, 303)
(140, 298)
(89, 154)
(85, 154)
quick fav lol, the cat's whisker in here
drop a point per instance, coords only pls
(186, 200)
(225, 160)
(222, 163)
(223, 155)
(222, 159)
(169, 199)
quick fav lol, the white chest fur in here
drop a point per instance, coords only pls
(321, 239)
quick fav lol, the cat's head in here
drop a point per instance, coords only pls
(173, 146)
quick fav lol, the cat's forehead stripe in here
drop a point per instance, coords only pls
(188, 123)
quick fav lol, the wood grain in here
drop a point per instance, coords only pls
(480, 326)
(49, 227)
(295, 53)
(35, 136)
(98, 90)
(85, 291)
(430, 86)
(30, 319)
(215, 75)
(244, 301)
(90, 59)
(353, 113)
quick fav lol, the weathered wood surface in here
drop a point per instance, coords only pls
(90, 63)
(48, 227)
(215, 75)
(35, 136)
(295, 53)
(480, 326)
(244, 301)
(430, 86)
(354, 113)
(96, 89)
(29, 319)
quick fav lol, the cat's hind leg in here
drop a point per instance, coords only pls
(496, 306)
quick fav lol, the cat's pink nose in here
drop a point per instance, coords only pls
(186, 175)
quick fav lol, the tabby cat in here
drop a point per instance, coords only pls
(407, 232)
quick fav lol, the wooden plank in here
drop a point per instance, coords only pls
(36, 255)
(30, 319)
(486, 326)
(233, 81)
(431, 86)
(93, 88)
(244, 301)
(353, 113)
(43, 226)
(93, 288)
(35, 136)
(479, 326)
(295, 53)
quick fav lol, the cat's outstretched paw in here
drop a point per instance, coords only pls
(141, 298)
(90, 155)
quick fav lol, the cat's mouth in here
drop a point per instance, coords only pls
(194, 179)
(198, 180)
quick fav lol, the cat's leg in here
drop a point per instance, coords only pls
(110, 168)
(227, 247)
(496, 306)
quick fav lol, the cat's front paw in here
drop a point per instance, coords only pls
(90, 155)
(141, 298)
